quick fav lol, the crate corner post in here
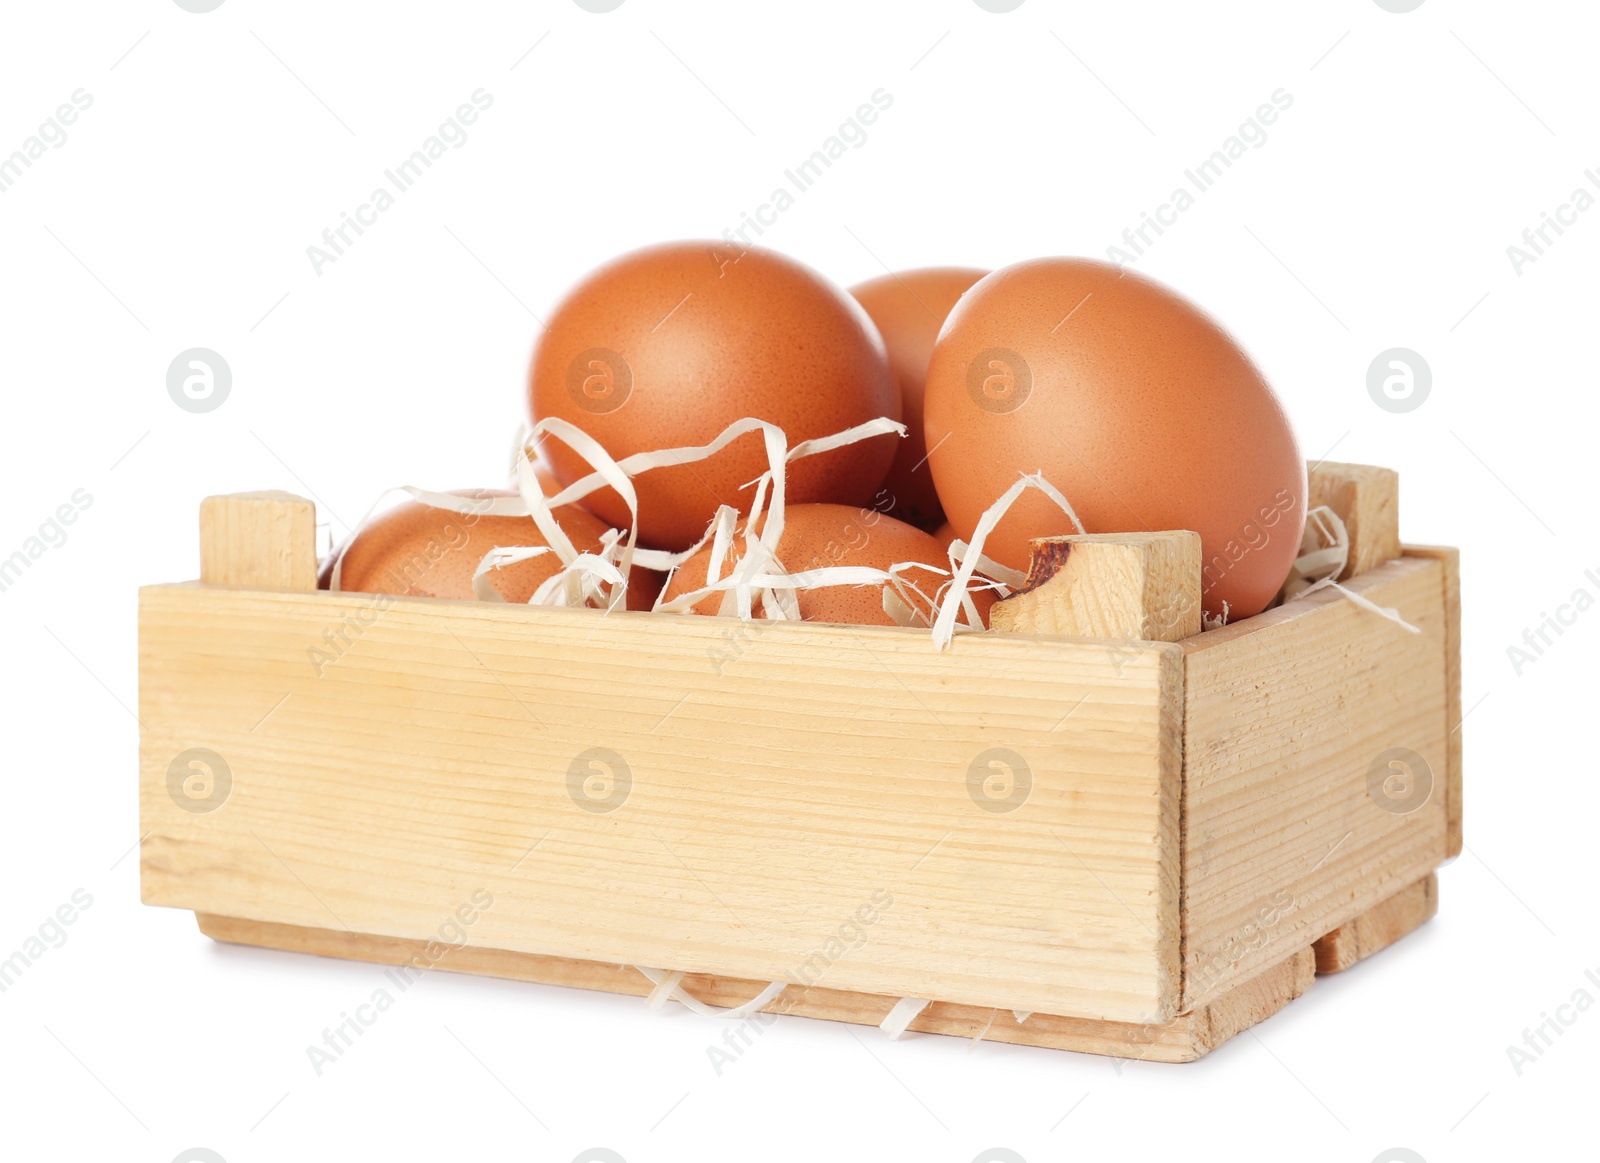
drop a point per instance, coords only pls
(247, 541)
(265, 540)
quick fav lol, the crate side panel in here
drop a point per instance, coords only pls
(1285, 718)
(797, 802)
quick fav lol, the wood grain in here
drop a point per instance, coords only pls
(1378, 927)
(1109, 585)
(1285, 716)
(1450, 558)
(264, 541)
(1367, 499)
(1139, 841)
(391, 756)
(1182, 1039)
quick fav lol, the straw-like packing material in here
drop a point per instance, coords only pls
(1324, 553)
(757, 584)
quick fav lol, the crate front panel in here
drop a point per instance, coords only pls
(798, 804)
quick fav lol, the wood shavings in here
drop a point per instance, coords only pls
(757, 583)
(1324, 553)
(665, 988)
(670, 985)
(901, 1015)
(987, 1026)
(945, 625)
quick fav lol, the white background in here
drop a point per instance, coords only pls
(219, 146)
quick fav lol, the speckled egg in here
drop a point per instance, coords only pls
(416, 550)
(666, 346)
(1132, 402)
(909, 308)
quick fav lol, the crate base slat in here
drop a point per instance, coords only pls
(1378, 927)
(1184, 1039)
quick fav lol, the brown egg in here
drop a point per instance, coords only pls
(419, 551)
(821, 536)
(944, 535)
(547, 479)
(909, 308)
(1133, 403)
(667, 346)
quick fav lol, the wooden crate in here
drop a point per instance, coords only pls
(1094, 829)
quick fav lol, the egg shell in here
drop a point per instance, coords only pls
(822, 536)
(908, 309)
(667, 346)
(548, 484)
(420, 551)
(1133, 403)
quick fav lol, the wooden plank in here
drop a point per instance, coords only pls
(1287, 715)
(1378, 927)
(1109, 585)
(1450, 558)
(1183, 1039)
(1253, 1000)
(266, 541)
(1015, 796)
(1367, 499)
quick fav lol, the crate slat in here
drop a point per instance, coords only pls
(1450, 558)
(1379, 927)
(773, 791)
(1182, 1039)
